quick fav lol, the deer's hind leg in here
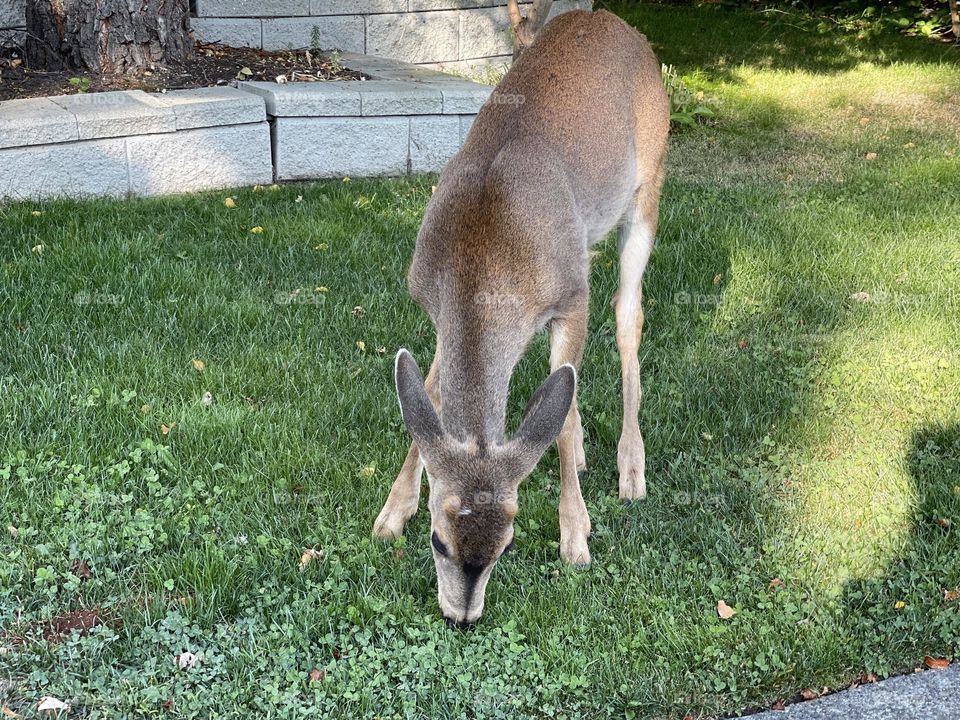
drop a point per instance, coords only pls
(405, 494)
(636, 243)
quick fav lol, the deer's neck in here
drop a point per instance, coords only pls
(475, 371)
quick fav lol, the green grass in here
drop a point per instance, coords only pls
(792, 432)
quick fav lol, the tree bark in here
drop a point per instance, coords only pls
(107, 36)
(525, 29)
(955, 20)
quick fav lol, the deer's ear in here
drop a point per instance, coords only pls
(415, 406)
(545, 413)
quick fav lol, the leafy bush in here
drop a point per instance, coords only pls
(686, 106)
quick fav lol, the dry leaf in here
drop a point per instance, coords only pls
(37, 213)
(948, 595)
(299, 198)
(7, 712)
(207, 399)
(144, 409)
(256, 230)
(725, 611)
(317, 675)
(361, 346)
(776, 584)
(358, 311)
(198, 365)
(80, 568)
(871, 156)
(778, 705)
(935, 663)
(864, 121)
(717, 278)
(38, 249)
(14, 533)
(945, 523)
(229, 203)
(165, 429)
(186, 660)
(808, 694)
(308, 556)
(51, 704)
(899, 605)
(743, 344)
(860, 296)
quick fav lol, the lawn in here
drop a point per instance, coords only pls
(188, 405)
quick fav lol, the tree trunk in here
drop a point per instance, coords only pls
(107, 36)
(525, 28)
(955, 20)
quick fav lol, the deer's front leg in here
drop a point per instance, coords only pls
(405, 494)
(567, 338)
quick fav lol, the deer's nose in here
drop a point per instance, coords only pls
(459, 624)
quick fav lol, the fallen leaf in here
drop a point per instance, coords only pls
(945, 523)
(725, 611)
(899, 605)
(51, 704)
(198, 365)
(144, 409)
(7, 712)
(358, 311)
(776, 584)
(207, 399)
(860, 296)
(808, 694)
(778, 705)
(864, 121)
(317, 675)
(37, 213)
(38, 249)
(281, 79)
(935, 663)
(706, 436)
(80, 568)
(361, 346)
(368, 471)
(308, 556)
(299, 198)
(165, 429)
(717, 278)
(256, 230)
(186, 660)
(14, 533)
(245, 72)
(229, 203)
(743, 344)
(322, 289)
(167, 705)
(948, 595)
(347, 179)
(274, 187)
(871, 156)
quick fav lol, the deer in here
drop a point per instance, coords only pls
(569, 146)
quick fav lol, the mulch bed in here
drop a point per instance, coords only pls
(212, 65)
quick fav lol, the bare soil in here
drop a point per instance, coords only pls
(212, 65)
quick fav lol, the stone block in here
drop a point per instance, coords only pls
(252, 8)
(415, 37)
(117, 114)
(76, 170)
(337, 32)
(417, 5)
(307, 99)
(202, 159)
(35, 121)
(433, 141)
(332, 147)
(356, 7)
(13, 14)
(462, 97)
(212, 106)
(234, 32)
(395, 97)
(484, 33)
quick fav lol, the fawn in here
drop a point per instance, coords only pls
(503, 251)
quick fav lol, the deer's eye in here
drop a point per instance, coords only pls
(438, 545)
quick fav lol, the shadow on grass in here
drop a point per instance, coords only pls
(718, 39)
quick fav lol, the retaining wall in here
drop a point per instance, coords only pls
(404, 119)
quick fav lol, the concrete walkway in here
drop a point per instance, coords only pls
(930, 695)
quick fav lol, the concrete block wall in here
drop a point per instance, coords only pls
(447, 33)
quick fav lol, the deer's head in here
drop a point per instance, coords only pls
(473, 486)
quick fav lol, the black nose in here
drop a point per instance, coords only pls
(459, 624)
